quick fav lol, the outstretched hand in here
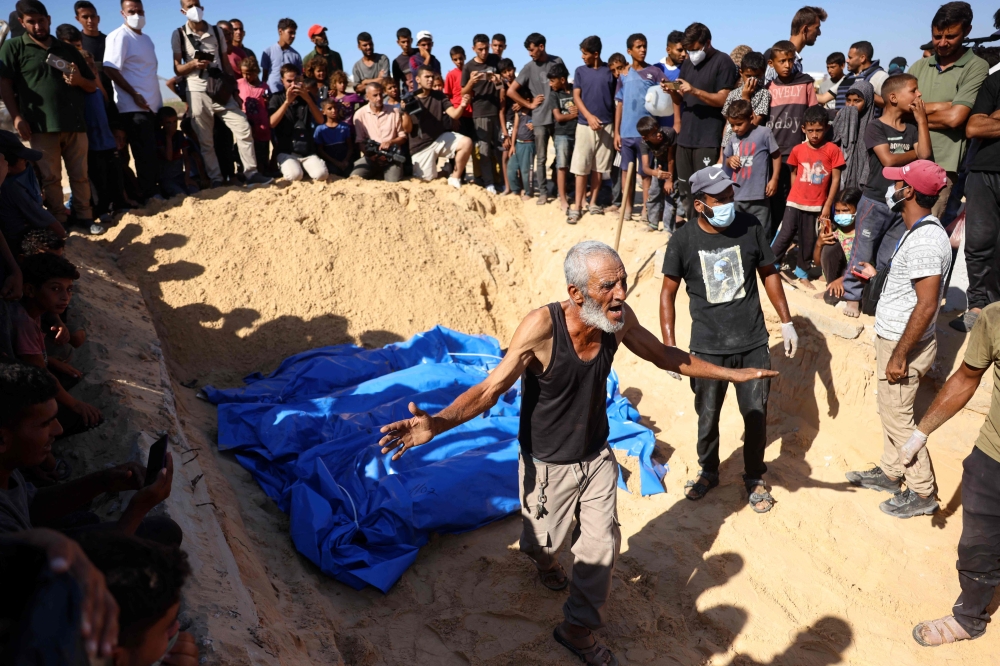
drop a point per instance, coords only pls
(407, 433)
(749, 374)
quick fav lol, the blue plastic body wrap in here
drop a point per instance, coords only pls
(309, 435)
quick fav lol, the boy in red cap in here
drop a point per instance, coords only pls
(905, 346)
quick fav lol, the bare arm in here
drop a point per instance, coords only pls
(982, 126)
(955, 395)
(514, 91)
(775, 292)
(314, 109)
(644, 344)
(533, 334)
(120, 81)
(668, 313)
(889, 159)
(407, 122)
(712, 99)
(832, 195)
(928, 290)
(945, 115)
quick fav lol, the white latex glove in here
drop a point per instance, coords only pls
(791, 339)
(909, 451)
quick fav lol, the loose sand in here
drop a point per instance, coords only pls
(237, 281)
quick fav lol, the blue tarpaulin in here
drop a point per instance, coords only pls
(309, 435)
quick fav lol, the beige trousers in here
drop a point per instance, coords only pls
(895, 408)
(587, 491)
(203, 113)
(71, 148)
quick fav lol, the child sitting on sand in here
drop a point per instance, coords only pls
(834, 245)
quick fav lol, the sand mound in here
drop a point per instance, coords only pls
(243, 279)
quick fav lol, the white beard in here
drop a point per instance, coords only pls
(592, 315)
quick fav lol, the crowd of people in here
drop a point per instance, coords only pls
(751, 168)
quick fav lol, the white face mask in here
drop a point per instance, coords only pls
(696, 56)
(135, 21)
(195, 14)
(890, 197)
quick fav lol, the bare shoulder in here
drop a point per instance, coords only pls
(631, 322)
(535, 328)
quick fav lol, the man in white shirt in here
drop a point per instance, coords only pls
(130, 62)
(198, 38)
(905, 346)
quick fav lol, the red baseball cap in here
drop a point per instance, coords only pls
(924, 176)
(315, 30)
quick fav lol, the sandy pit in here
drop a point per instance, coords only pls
(236, 281)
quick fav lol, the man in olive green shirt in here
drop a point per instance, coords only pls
(949, 81)
(47, 105)
(979, 545)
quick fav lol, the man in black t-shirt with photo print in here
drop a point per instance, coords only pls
(719, 255)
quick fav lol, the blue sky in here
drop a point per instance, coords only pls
(895, 29)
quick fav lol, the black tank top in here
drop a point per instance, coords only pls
(564, 416)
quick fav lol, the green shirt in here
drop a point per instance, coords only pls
(959, 85)
(46, 101)
(982, 352)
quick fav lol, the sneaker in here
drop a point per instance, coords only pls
(874, 479)
(965, 322)
(908, 504)
(455, 182)
(96, 229)
(491, 189)
(257, 178)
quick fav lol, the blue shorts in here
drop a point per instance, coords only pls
(564, 150)
(630, 153)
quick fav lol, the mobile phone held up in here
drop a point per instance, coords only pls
(157, 460)
(201, 55)
(64, 66)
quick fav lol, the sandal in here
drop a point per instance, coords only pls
(573, 216)
(756, 498)
(942, 631)
(700, 489)
(595, 655)
(555, 578)
(595, 210)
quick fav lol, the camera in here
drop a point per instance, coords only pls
(410, 105)
(383, 158)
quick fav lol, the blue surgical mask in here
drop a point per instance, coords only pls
(844, 219)
(722, 215)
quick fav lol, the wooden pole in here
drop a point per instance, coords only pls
(626, 192)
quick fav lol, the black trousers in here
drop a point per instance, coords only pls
(979, 547)
(780, 199)
(687, 161)
(709, 396)
(797, 225)
(982, 228)
(108, 191)
(141, 130)
(834, 262)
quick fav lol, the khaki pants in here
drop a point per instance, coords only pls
(895, 408)
(586, 490)
(71, 148)
(203, 112)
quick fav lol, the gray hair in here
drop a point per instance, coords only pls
(373, 84)
(578, 259)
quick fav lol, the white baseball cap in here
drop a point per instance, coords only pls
(423, 34)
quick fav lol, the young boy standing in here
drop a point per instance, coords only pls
(815, 167)
(631, 94)
(791, 93)
(453, 89)
(670, 65)
(892, 140)
(565, 114)
(752, 158)
(254, 94)
(594, 98)
(656, 152)
(751, 88)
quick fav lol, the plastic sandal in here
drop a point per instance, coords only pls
(942, 631)
(595, 210)
(595, 655)
(555, 579)
(756, 498)
(700, 489)
(572, 216)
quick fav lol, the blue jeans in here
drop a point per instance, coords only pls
(877, 231)
(660, 206)
(524, 153)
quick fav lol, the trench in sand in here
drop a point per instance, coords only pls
(237, 281)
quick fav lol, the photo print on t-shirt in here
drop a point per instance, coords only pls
(814, 173)
(722, 272)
